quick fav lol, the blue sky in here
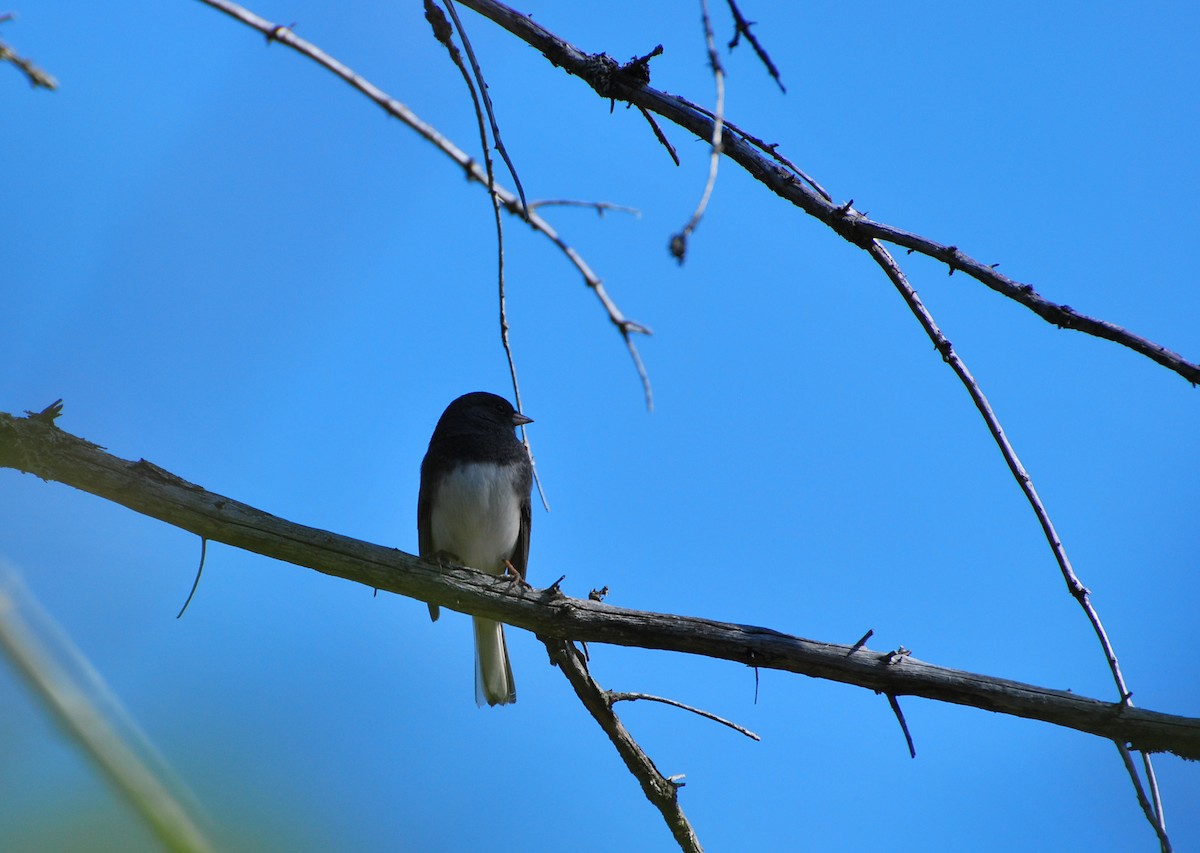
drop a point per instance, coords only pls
(227, 262)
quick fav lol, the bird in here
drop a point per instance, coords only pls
(474, 510)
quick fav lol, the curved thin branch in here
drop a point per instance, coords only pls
(600, 72)
(1080, 593)
(33, 445)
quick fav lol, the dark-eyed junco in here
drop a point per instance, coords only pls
(474, 511)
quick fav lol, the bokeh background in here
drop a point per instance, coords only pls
(227, 262)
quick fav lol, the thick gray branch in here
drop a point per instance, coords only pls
(36, 446)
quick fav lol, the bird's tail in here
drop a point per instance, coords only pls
(493, 674)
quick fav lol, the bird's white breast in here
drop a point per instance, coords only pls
(477, 515)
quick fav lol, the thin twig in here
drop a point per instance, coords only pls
(662, 792)
(283, 35)
(741, 27)
(678, 244)
(615, 697)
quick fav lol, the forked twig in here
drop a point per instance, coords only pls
(662, 792)
(276, 33)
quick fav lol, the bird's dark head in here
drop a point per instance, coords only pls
(482, 408)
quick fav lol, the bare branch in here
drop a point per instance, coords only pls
(31, 445)
(660, 791)
(597, 71)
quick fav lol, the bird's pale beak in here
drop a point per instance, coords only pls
(519, 419)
